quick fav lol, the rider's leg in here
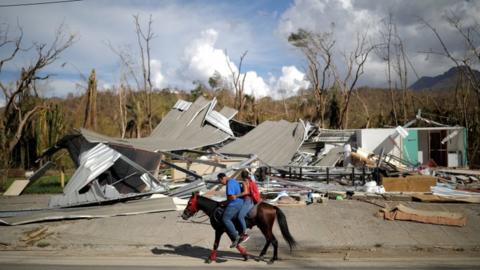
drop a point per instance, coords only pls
(231, 211)
(246, 207)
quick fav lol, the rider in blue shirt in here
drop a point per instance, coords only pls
(234, 204)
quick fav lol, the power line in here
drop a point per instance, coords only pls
(40, 3)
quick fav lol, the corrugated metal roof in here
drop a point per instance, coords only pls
(98, 161)
(228, 112)
(93, 163)
(179, 130)
(182, 105)
(218, 120)
(275, 143)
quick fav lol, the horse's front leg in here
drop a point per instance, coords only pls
(213, 254)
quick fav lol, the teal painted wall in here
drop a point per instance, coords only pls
(410, 146)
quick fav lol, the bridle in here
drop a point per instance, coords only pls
(192, 207)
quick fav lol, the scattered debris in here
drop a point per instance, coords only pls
(402, 212)
(36, 235)
(16, 188)
(293, 163)
(411, 183)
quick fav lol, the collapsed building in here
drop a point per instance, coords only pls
(194, 142)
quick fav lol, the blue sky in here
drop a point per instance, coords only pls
(191, 37)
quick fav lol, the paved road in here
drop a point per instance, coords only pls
(178, 262)
(352, 266)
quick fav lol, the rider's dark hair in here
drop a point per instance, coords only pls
(221, 175)
(244, 174)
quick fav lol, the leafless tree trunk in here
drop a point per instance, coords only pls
(355, 63)
(144, 39)
(238, 81)
(317, 48)
(122, 110)
(90, 120)
(365, 108)
(384, 51)
(400, 67)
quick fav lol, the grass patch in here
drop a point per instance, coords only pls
(46, 184)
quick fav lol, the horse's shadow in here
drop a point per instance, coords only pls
(196, 252)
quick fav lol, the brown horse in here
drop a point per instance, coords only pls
(264, 219)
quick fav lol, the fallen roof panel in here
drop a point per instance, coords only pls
(119, 209)
(179, 130)
(275, 143)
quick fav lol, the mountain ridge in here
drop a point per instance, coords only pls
(443, 81)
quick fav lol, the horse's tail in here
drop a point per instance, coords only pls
(282, 222)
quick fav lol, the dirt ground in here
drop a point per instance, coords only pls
(337, 229)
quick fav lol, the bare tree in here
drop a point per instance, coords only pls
(384, 50)
(139, 108)
(317, 49)
(355, 63)
(122, 109)
(144, 38)
(365, 108)
(470, 34)
(400, 67)
(16, 114)
(238, 81)
(90, 119)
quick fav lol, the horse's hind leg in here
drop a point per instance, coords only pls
(275, 249)
(268, 239)
(264, 250)
(213, 254)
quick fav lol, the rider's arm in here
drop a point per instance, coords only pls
(230, 195)
(246, 189)
(229, 198)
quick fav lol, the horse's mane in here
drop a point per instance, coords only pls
(208, 199)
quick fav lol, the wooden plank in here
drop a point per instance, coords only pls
(414, 183)
(460, 171)
(16, 188)
(430, 198)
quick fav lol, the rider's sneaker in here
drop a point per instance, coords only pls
(244, 237)
(235, 242)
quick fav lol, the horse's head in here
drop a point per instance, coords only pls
(192, 207)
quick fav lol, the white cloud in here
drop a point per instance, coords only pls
(291, 81)
(158, 80)
(201, 59)
(256, 86)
